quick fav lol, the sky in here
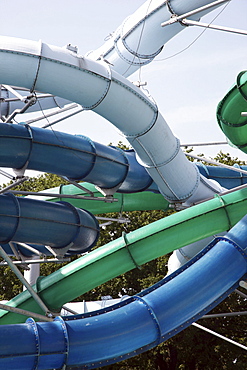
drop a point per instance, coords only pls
(186, 80)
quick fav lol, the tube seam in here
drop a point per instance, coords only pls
(30, 139)
(124, 36)
(154, 319)
(134, 92)
(38, 67)
(131, 62)
(126, 245)
(60, 320)
(30, 321)
(54, 61)
(224, 206)
(17, 216)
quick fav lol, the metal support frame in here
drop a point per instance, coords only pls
(61, 110)
(205, 144)
(219, 336)
(53, 195)
(6, 174)
(188, 22)
(176, 18)
(34, 294)
(24, 312)
(120, 220)
(225, 314)
(33, 262)
(63, 118)
(79, 186)
(240, 293)
(216, 163)
(31, 101)
(17, 182)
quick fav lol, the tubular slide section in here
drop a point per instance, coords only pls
(126, 202)
(133, 250)
(140, 38)
(139, 323)
(229, 113)
(61, 225)
(90, 340)
(41, 150)
(95, 86)
(25, 147)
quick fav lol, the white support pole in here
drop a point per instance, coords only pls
(219, 335)
(192, 12)
(188, 22)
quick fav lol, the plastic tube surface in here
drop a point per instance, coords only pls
(136, 324)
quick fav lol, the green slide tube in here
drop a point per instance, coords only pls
(132, 250)
(229, 110)
(143, 201)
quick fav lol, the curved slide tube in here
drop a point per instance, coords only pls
(229, 110)
(141, 38)
(145, 152)
(139, 323)
(133, 249)
(38, 149)
(59, 225)
(95, 86)
(143, 201)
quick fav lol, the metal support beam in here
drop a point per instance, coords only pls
(178, 18)
(216, 163)
(24, 312)
(240, 293)
(18, 182)
(32, 262)
(30, 102)
(79, 186)
(188, 22)
(225, 314)
(63, 118)
(219, 335)
(6, 174)
(35, 296)
(52, 195)
(205, 144)
(120, 220)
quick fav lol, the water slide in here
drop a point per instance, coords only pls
(43, 71)
(230, 111)
(136, 324)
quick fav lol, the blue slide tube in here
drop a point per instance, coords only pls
(38, 149)
(136, 324)
(102, 165)
(59, 225)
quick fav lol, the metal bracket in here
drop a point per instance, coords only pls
(34, 294)
(31, 101)
(107, 192)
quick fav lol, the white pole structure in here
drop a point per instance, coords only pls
(177, 18)
(219, 335)
(188, 22)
